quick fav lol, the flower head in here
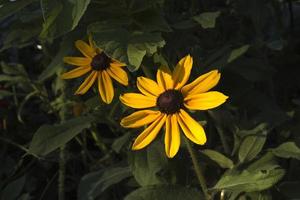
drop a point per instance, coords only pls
(171, 98)
(101, 67)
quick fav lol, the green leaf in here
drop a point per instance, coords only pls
(235, 53)
(147, 163)
(207, 19)
(50, 137)
(253, 143)
(11, 7)
(250, 181)
(164, 192)
(219, 158)
(127, 47)
(287, 150)
(13, 189)
(61, 16)
(93, 184)
(119, 143)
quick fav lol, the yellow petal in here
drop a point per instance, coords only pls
(116, 63)
(136, 100)
(202, 84)
(172, 136)
(88, 82)
(139, 118)
(148, 87)
(91, 42)
(105, 87)
(182, 71)
(204, 101)
(78, 61)
(85, 49)
(191, 129)
(79, 71)
(118, 74)
(149, 134)
(164, 78)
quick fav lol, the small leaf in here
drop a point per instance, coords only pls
(235, 53)
(219, 158)
(164, 192)
(93, 184)
(50, 137)
(121, 141)
(147, 163)
(253, 143)
(287, 150)
(250, 181)
(207, 19)
(4, 93)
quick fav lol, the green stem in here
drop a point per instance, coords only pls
(197, 168)
(61, 175)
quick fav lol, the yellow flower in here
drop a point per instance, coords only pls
(101, 67)
(172, 98)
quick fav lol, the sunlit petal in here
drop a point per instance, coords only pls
(204, 101)
(148, 87)
(140, 118)
(149, 134)
(182, 71)
(105, 87)
(85, 49)
(88, 82)
(78, 61)
(118, 74)
(136, 100)
(172, 136)
(202, 84)
(164, 78)
(191, 129)
(77, 72)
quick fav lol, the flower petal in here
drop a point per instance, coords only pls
(191, 129)
(116, 63)
(136, 100)
(148, 87)
(182, 71)
(78, 61)
(139, 118)
(85, 49)
(172, 136)
(79, 71)
(204, 101)
(105, 87)
(202, 84)
(164, 78)
(149, 134)
(91, 41)
(118, 74)
(88, 82)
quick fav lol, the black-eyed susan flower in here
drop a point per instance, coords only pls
(171, 99)
(101, 67)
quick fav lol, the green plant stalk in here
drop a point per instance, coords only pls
(61, 175)
(197, 168)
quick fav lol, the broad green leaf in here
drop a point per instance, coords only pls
(50, 137)
(253, 143)
(11, 7)
(147, 163)
(287, 150)
(121, 141)
(207, 19)
(93, 184)
(127, 47)
(13, 189)
(219, 158)
(235, 53)
(66, 47)
(61, 16)
(250, 181)
(164, 192)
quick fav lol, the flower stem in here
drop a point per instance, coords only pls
(197, 168)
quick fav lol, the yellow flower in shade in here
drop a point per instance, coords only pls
(101, 67)
(171, 98)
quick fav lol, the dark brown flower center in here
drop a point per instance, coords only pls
(170, 101)
(100, 62)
